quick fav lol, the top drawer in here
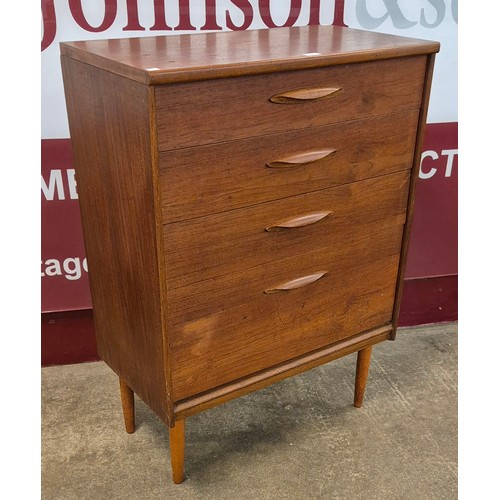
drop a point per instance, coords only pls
(211, 111)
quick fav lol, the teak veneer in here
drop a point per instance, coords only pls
(246, 202)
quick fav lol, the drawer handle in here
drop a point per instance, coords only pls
(301, 158)
(297, 283)
(301, 95)
(301, 220)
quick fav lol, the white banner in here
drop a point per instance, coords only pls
(69, 20)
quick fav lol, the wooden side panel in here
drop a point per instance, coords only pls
(411, 196)
(112, 138)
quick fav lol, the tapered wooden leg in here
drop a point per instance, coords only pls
(177, 451)
(127, 395)
(362, 367)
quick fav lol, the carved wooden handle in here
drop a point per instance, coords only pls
(301, 95)
(301, 220)
(297, 283)
(301, 158)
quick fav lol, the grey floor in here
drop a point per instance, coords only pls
(298, 439)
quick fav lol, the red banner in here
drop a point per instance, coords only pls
(64, 271)
(433, 247)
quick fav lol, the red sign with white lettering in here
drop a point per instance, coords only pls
(434, 237)
(64, 273)
(433, 246)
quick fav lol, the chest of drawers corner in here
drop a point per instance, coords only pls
(246, 203)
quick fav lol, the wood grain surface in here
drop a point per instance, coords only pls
(224, 326)
(215, 178)
(202, 249)
(230, 328)
(233, 108)
(244, 198)
(263, 378)
(417, 149)
(112, 150)
(167, 59)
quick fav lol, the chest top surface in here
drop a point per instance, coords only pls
(179, 58)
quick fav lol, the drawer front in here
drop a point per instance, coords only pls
(207, 247)
(220, 177)
(211, 111)
(229, 327)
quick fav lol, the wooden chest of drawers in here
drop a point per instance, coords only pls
(246, 203)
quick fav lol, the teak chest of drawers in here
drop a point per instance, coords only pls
(246, 201)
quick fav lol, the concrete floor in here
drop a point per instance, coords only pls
(299, 439)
